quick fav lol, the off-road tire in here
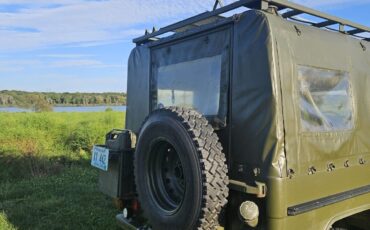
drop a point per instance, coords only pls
(206, 180)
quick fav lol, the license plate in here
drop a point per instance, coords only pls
(100, 158)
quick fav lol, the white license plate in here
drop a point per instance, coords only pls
(100, 158)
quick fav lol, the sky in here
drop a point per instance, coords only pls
(83, 45)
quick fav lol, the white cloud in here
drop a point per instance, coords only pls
(17, 65)
(66, 56)
(46, 23)
(87, 21)
(55, 62)
(81, 63)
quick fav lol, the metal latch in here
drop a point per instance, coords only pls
(259, 190)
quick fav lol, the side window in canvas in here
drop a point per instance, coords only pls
(325, 100)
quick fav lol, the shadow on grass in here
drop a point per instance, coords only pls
(52, 193)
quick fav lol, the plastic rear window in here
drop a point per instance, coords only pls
(194, 73)
(325, 100)
(193, 84)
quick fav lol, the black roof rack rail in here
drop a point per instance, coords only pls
(290, 11)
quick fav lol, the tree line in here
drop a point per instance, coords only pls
(31, 99)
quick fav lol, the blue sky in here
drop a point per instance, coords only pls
(83, 45)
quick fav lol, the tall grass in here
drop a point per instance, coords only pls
(35, 144)
(46, 181)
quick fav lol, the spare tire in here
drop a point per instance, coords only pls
(180, 170)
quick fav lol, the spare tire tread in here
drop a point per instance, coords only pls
(213, 164)
(210, 153)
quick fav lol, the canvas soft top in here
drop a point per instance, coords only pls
(286, 9)
(265, 109)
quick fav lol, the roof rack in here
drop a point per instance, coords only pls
(290, 11)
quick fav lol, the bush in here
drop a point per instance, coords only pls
(81, 138)
(39, 104)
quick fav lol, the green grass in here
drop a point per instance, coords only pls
(46, 181)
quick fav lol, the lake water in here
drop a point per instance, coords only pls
(68, 109)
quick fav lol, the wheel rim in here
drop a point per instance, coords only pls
(166, 176)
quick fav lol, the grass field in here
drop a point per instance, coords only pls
(46, 181)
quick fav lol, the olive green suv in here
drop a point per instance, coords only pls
(260, 120)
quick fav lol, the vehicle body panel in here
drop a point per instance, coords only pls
(267, 143)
